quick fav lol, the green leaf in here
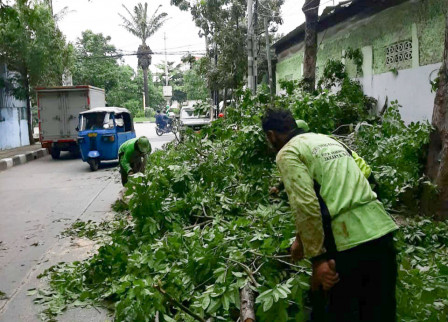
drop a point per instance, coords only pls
(31, 291)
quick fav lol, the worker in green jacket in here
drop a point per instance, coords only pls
(340, 224)
(362, 164)
(132, 156)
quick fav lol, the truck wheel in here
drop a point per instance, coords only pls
(55, 153)
(94, 164)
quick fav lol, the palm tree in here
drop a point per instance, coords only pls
(140, 26)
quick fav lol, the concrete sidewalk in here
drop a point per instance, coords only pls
(21, 155)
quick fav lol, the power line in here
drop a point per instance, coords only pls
(180, 53)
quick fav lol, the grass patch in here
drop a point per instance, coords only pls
(144, 119)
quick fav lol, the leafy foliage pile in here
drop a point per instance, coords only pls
(422, 292)
(392, 148)
(203, 226)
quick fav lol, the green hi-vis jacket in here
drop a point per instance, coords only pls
(356, 214)
(127, 154)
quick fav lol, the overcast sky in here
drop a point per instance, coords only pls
(101, 16)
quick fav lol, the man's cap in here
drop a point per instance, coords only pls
(301, 124)
(143, 144)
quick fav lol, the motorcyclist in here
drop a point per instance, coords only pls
(160, 120)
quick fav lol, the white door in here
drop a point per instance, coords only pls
(74, 103)
(50, 112)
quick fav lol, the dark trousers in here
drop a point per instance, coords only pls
(366, 290)
(138, 164)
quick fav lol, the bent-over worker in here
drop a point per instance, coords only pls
(132, 157)
(340, 224)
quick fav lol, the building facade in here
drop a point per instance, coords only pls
(13, 118)
(402, 44)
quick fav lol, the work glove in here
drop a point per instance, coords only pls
(324, 274)
(273, 191)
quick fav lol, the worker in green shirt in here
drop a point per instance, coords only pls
(132, 156)
(340, 224)
(360, 162)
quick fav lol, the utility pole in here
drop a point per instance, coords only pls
(216, 93)
(167, 90)
(250, 58)
(166, 61)
(255, 45)
(268, 55)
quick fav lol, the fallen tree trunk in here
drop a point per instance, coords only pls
(247, 311)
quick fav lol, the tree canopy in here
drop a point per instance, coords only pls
(33, 48)
(98, 63)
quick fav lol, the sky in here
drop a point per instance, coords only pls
(101, 16)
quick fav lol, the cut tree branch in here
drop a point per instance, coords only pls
(159, 288)
(247, 299)
(247, 270)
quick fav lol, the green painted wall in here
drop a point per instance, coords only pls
(380, 31)
(290, 68)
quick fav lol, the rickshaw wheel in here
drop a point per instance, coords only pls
(94, 164)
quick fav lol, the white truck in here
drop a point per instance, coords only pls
(58, 110)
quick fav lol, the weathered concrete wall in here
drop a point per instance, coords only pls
(420, 22)
(13, 121)
(411, 87)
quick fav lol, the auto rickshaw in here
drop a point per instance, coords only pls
(101, 131)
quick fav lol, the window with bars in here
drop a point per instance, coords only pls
(398, 53)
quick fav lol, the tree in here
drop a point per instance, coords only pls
(437, 164)
(195, 85)
(99, 64)
(223, 25)
(143, 27)
(96, 61)
(311, 11)
(34, 48)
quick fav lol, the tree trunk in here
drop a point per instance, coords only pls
(145, 85)
(437, 163)
(311, 11)
(247, 311)
(225, 101)
(28, 109)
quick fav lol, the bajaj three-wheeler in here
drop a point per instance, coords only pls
(101, 131)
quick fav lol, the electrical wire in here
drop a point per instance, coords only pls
(180, 53)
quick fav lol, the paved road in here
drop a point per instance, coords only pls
(38, 201)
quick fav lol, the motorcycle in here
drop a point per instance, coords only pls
(169, 127)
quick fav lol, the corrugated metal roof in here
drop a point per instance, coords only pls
(336, 14)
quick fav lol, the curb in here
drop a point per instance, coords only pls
(22, 158)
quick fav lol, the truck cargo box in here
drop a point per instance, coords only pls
(58, 110)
